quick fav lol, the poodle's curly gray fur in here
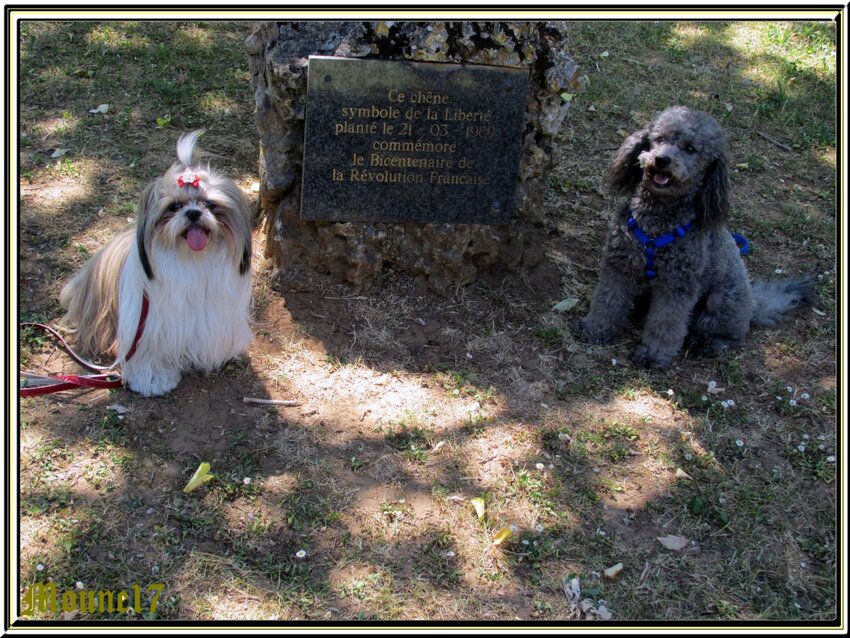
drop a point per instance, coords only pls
(675, 171)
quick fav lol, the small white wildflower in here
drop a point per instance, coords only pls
(551, 466)
(539, 528)
(805, 437)
(670, 392)
(805, 396)
(830, 459)
(80, 584)
(39, 568)
(788, 388)
(563, 436)
(540, 466)
(792, 402)
(725, 404)
(450, 554)
(778, 271)
(779, 398)
(731, 403)
(514, 529)
(613, 362)
(301, 553)
(246, 480)
(712, 384)
(801, 447)
(525, 541)
(703, 398)
(688, 456)
(739, 443)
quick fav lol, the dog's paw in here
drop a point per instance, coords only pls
(153, 384)
(707, 347)
(591, 332)
(650, 358)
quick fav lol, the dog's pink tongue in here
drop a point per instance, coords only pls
(658, 178)
(197, 239)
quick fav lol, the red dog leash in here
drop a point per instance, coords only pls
(32, 385)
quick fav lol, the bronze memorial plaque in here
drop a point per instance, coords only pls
(398, 141)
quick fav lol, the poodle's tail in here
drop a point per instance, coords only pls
(773, 299)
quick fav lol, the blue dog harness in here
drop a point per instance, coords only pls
(651, 244)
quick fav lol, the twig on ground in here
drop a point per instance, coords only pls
(284, 402)
(773, 141)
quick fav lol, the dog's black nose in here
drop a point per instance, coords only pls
(193, 214)
(662, 161)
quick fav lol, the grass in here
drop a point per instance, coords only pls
(355, 505)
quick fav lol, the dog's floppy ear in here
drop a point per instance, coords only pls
(241, 224)
(713, 200)
(144, 231)
(625, 172)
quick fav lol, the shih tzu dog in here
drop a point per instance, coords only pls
(174, 293)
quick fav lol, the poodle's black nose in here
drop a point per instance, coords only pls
(662, 161)
(193, 214)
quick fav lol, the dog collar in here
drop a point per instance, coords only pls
(650, 244)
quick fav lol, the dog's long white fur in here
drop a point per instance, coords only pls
(199, 313)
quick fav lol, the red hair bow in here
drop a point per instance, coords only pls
(181, 181)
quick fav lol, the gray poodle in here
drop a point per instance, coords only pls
(670, 241)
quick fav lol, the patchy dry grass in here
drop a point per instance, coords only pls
(356, 505)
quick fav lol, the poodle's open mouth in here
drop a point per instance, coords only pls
(660, 179)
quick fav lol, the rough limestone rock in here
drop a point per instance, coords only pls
(309, 254)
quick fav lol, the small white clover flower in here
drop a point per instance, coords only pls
(613, 362)
(525, 541)
(450, 554)
(301, 553)
(80, 584)
(739, 443)
(805, 437)
(539, 528)
(730, 403)
(801, 447)
(540, 466)
(778, 271)
(792, 402)
(724, 404)
(246, 480)
(805, 396)
(712, 384)
(830, 459)
(670, 392)
(39, 568)
(703, 398)
(788, 388)
(688, 456)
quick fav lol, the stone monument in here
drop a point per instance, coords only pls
(422, 146)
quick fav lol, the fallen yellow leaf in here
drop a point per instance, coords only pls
(478, 504)
(503, 535)
(200, 477)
